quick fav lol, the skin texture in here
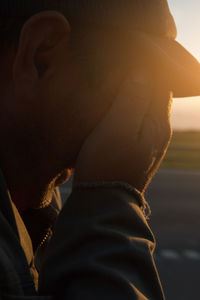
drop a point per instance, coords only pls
(53, 118)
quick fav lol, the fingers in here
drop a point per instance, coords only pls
(157, 119)
(133, 101)
(161, 103)
(157, 127)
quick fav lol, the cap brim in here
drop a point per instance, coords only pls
(183, 68)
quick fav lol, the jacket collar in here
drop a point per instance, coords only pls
(15, 238)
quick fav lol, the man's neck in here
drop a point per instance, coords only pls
(31, 182)
(32, 168)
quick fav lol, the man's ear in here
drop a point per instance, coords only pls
(40, 34)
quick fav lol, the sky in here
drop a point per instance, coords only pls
(186, 112)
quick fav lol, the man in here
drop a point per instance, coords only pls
(85, 85)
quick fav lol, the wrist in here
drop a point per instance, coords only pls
(138, 196)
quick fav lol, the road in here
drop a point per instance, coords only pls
(174, 197)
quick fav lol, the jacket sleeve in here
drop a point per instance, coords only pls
(102, 249)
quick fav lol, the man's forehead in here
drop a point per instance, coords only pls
(149, 16)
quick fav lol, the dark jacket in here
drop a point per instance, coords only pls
(102, 248)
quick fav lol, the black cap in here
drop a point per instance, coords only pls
(151, 17)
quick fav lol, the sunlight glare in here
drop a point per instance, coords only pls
(186, 112)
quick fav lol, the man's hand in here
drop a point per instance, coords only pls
(129, 143)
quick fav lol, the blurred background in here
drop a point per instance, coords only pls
(187, 16)
(174, 194)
